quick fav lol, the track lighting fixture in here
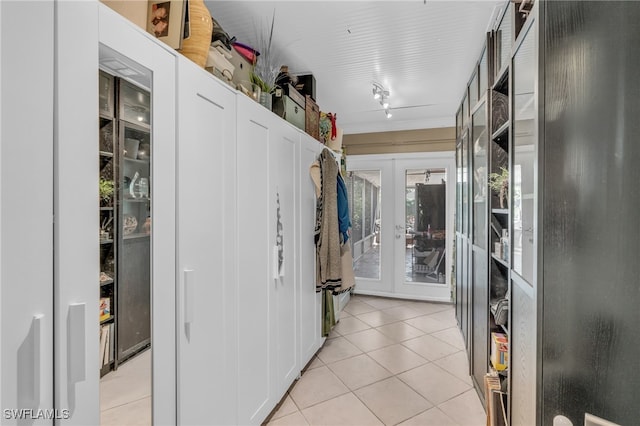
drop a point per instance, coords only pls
(382, 96)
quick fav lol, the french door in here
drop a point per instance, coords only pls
(402, 224)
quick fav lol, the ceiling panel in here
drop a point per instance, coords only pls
(422, 52)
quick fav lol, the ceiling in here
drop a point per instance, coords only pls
(422, 51)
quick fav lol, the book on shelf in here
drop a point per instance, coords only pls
(105, 308)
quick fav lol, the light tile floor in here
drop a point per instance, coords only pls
(125, 394)
(388, 361)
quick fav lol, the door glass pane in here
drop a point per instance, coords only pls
(524, 142)
(459, 187)
(425, 218)
(483, 73)
(364, 191)
(480, 177)
(465, 185)
(473, 91)
(504, 39)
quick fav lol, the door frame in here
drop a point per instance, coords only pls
(392, 206)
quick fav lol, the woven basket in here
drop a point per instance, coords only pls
(196, 47)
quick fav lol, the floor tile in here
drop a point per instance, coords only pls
(427, 324)
(357, 308)
(136, 413)
(452, 336)
(350, 325)
(383, 303)
(465, 409)
(369, 340)
(434, 383)
(333, 334)
(295, 419)
(317, 385)
(433, 417)
(399, 331)
(337, 349)
(456, 364)
(344, 314)
(287, 407)
(315, 363)
(430, 347)
(359, 371)
(403, 312)
(397, 358)
(345, 410)
(377, 318)
(446, 317)
(428, 308)
(392, 401)
(130, 382)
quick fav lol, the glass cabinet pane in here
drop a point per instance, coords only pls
(480, 138)
(459, 123)
(504, 39)
(524, 156)
(465, 185)
(105, 94)
(473, 91)
(136, 104)
(465, 111)
(482, 73)
(459, 212)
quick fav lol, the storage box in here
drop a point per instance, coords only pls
(312, 118)
(242, 68)
(291, 111)
(499, 351)
(307, 85)
(290, 91)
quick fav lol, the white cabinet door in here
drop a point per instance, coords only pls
(283, 238)
(77, 255)
(309, 302)
(26, 214)
(255, 283)
(152, 64)
(206, 218)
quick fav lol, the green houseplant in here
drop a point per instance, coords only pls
(106, 190)
(499, 183)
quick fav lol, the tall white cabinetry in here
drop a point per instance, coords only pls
(206, 255)
(266, 285)
(26, 201)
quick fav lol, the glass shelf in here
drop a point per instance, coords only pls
(107, 282)
(500, 211)
(135, 236)
(499, 260)
(106, 241)
(107, 320)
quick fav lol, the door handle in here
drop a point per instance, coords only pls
(189, 295)
(77, 348)
(37, 358)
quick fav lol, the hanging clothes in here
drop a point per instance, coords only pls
(344, 221)
(327, 233)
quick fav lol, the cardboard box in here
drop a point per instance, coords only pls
(499, 351)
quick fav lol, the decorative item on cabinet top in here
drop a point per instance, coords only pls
(166, 20)
(196, 47)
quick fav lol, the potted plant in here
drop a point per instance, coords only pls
(499, 183)
(106, 190)
(267, 67)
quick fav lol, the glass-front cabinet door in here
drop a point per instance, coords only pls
(524, 160)
(480, 163)
(134, 196)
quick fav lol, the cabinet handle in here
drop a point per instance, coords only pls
(37, 358)
(189, 295)
(77, 348)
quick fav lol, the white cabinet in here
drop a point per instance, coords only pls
(278, 331)
(206, 255)
(26, 216)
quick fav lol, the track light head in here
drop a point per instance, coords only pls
(384, 103)
(389, 115)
